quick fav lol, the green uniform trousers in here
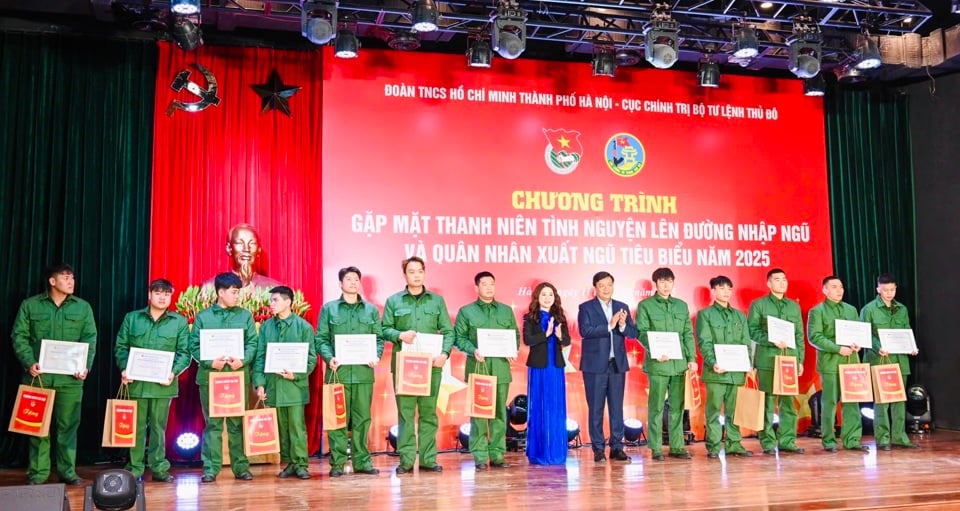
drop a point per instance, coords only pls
(722, 395)
(359, 399)
(883, 414)
(211, 452)
(293, 435)
(494, 448)
(786, 434)
(662, 388)
(65, 421)
(151, 413)
(407, 408)
(851, 429)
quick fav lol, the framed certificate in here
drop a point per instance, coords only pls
(497, 342)
(150, 365)
(897, 340)
(287, 356)
(221, 342)
(355, 349)
(853, 332)
(425, 343)
(780, 331)
(665, 343)
(63, 357)
(732, 357)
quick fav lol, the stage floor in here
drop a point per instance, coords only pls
(924, 479)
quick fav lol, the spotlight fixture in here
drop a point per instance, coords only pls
(463, 436)
(318, 21)
(708, 73)
(185, 7)
(815, 86)
(114, 490)
(745, 42)
(425, 15)
(868, 51)
(625, 57)
(509, 30)
(919, 413)
(604, 61)
(573, 432)
(479, 53)
(660, 37)
(346, 46)
(849, 74)
(392, 435)
(406, 41)
(186, 33)
(866, 417)
(805, 47)
(517, 410)
(633, 431)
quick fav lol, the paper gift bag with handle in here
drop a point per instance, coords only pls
(855, 386)
(227, 395)
(888, 383)
(334, 404)
(482, 394)
(261, 432)
(749, 412)
(786, 381)
(692, 392)
(414, 373)
(120, 420)
(32, 410)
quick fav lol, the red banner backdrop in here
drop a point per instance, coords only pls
(231, 163)
(539, 171)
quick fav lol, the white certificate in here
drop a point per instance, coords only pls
(897, 340)
(781, 331)
(355, 349)
(287, 356)
(732, 357)
(665, 343)
(150, 365)
(221, 342)
(497, 342)
(63, 357)
(853, 332)
(425, 343)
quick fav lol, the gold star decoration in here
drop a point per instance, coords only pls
(449, 384)
(564, 141)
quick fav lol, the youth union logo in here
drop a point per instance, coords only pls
(563, 151)
(624, 154)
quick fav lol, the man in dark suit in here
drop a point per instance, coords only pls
(604, 325)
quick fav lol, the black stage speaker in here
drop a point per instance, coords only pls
(114, 490)
(41, 497)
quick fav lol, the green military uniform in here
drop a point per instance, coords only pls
(721, 325)
(666, 379)
(821, 330)
(211, 452)
(167, 333)
(424, 313)
(288, 396)
(39, 318)
(480, 314)
(340, 317)
(764, 359)
(895, 316)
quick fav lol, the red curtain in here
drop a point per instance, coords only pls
(233, 163)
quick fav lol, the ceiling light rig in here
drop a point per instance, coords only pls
(509, 31)
(867, 54)
(425, 15)
(479, 53)
(346, 45)
(805, 47)
(745, 42)
(604, 61)
(318, 21)
(661, 37)
(816, 86)
(708, 72)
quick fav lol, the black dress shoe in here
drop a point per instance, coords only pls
(713, 455)
(769, 451)
(794, 450)
(288, 471)
(883, 447)
(499, 464)
(404, 470)
(860, 448)
(658, 457)
(831, 449)
(683, 455)
(208, 478)
(76, 481)
(303, 473)
(336, 472)
(741, 454)
(367, 471)
(906, 446)
(35, 481)
(480, 466)
(599, 456)
(162, 478)
(619, 455)
(431, 468)
(246, 476)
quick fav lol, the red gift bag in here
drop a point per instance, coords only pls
(32, 410)
(261, 432)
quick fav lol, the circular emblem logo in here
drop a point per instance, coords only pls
(624, 154)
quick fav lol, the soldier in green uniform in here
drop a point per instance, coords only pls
(153, 328)
(721, 324)
(885, 312)
(350, 314)
(55, 314)
(486, 312)
(664, 313)
(779, 306)
(407, 313)
(289, 392)
(821, 330)
(225, 314)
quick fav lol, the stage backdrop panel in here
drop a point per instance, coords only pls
(539, 171)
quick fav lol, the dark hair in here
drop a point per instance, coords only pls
(886, 278)
(828, 278)
(775, 271)
(600, 275)
(481, 275)
(556, 310)
(413, 259)
(283, 291)
(226, 281)
(662, 274)
(162, 285)
(349, 269)
(52, 270)
(720, 280)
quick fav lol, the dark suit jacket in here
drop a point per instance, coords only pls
(595, 337)
(536, 338)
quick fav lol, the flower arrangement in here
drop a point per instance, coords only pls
(254, 299)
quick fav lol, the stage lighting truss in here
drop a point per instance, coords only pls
(661, 38)
(425, 15)
(708, 72)
(805, 48)
(479, 53)
(509, 32)
(867, 55)
(318, 21)
(746, 45)
(346, 45)
(604, 62)
(185, 31)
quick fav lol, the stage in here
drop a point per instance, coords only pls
(927, 478)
